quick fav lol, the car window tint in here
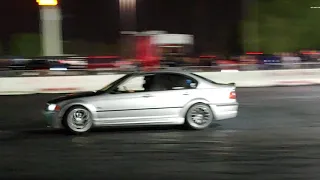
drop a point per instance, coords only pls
(155, 84)
(176, 81)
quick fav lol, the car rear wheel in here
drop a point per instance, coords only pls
(78, 120)
(199, 116)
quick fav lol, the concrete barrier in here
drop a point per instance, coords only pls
(67, 84)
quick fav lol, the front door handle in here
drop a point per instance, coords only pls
(185, 94)
(147, 96)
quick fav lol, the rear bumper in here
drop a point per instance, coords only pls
(225, 111)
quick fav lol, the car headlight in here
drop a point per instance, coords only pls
(53, 107)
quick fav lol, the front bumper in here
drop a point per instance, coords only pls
(225, 111)
(52, 119)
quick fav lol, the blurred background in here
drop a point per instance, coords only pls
(97, 34)
(275, 136)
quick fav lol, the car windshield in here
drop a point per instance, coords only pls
(111, 85)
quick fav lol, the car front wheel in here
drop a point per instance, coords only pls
(78, 120)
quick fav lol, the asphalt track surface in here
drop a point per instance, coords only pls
(276, 136)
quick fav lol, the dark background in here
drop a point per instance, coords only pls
(215, 23)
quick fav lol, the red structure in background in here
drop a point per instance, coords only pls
(149, 46)
(146, 52)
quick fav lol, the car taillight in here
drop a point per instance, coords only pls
(232, 95)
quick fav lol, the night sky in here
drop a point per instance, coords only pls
(215, 23)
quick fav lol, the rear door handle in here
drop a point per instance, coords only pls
(185, 94)
(147, 96)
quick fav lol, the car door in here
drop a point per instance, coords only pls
(133, 106)
(176, 94)
(124, 108)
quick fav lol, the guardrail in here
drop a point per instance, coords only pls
(68, 84)
(218, 68)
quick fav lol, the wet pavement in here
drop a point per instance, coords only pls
(275, 136)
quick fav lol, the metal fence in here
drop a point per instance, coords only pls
(218, 68)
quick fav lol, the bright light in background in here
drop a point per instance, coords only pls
(127, 4)
(47, 2)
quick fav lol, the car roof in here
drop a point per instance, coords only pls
(169, 71)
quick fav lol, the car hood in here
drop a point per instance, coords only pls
(72, 96)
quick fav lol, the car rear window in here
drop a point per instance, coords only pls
(176, 81)
(203, 78)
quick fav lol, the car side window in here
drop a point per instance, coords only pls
(142, 83)
(177, 81)
(134, 84)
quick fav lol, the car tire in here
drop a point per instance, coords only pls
(199, 116)
(78, 120)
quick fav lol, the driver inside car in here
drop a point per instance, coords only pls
(148, 80)
(155, 83)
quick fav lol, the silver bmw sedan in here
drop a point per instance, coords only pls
(146, 98)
